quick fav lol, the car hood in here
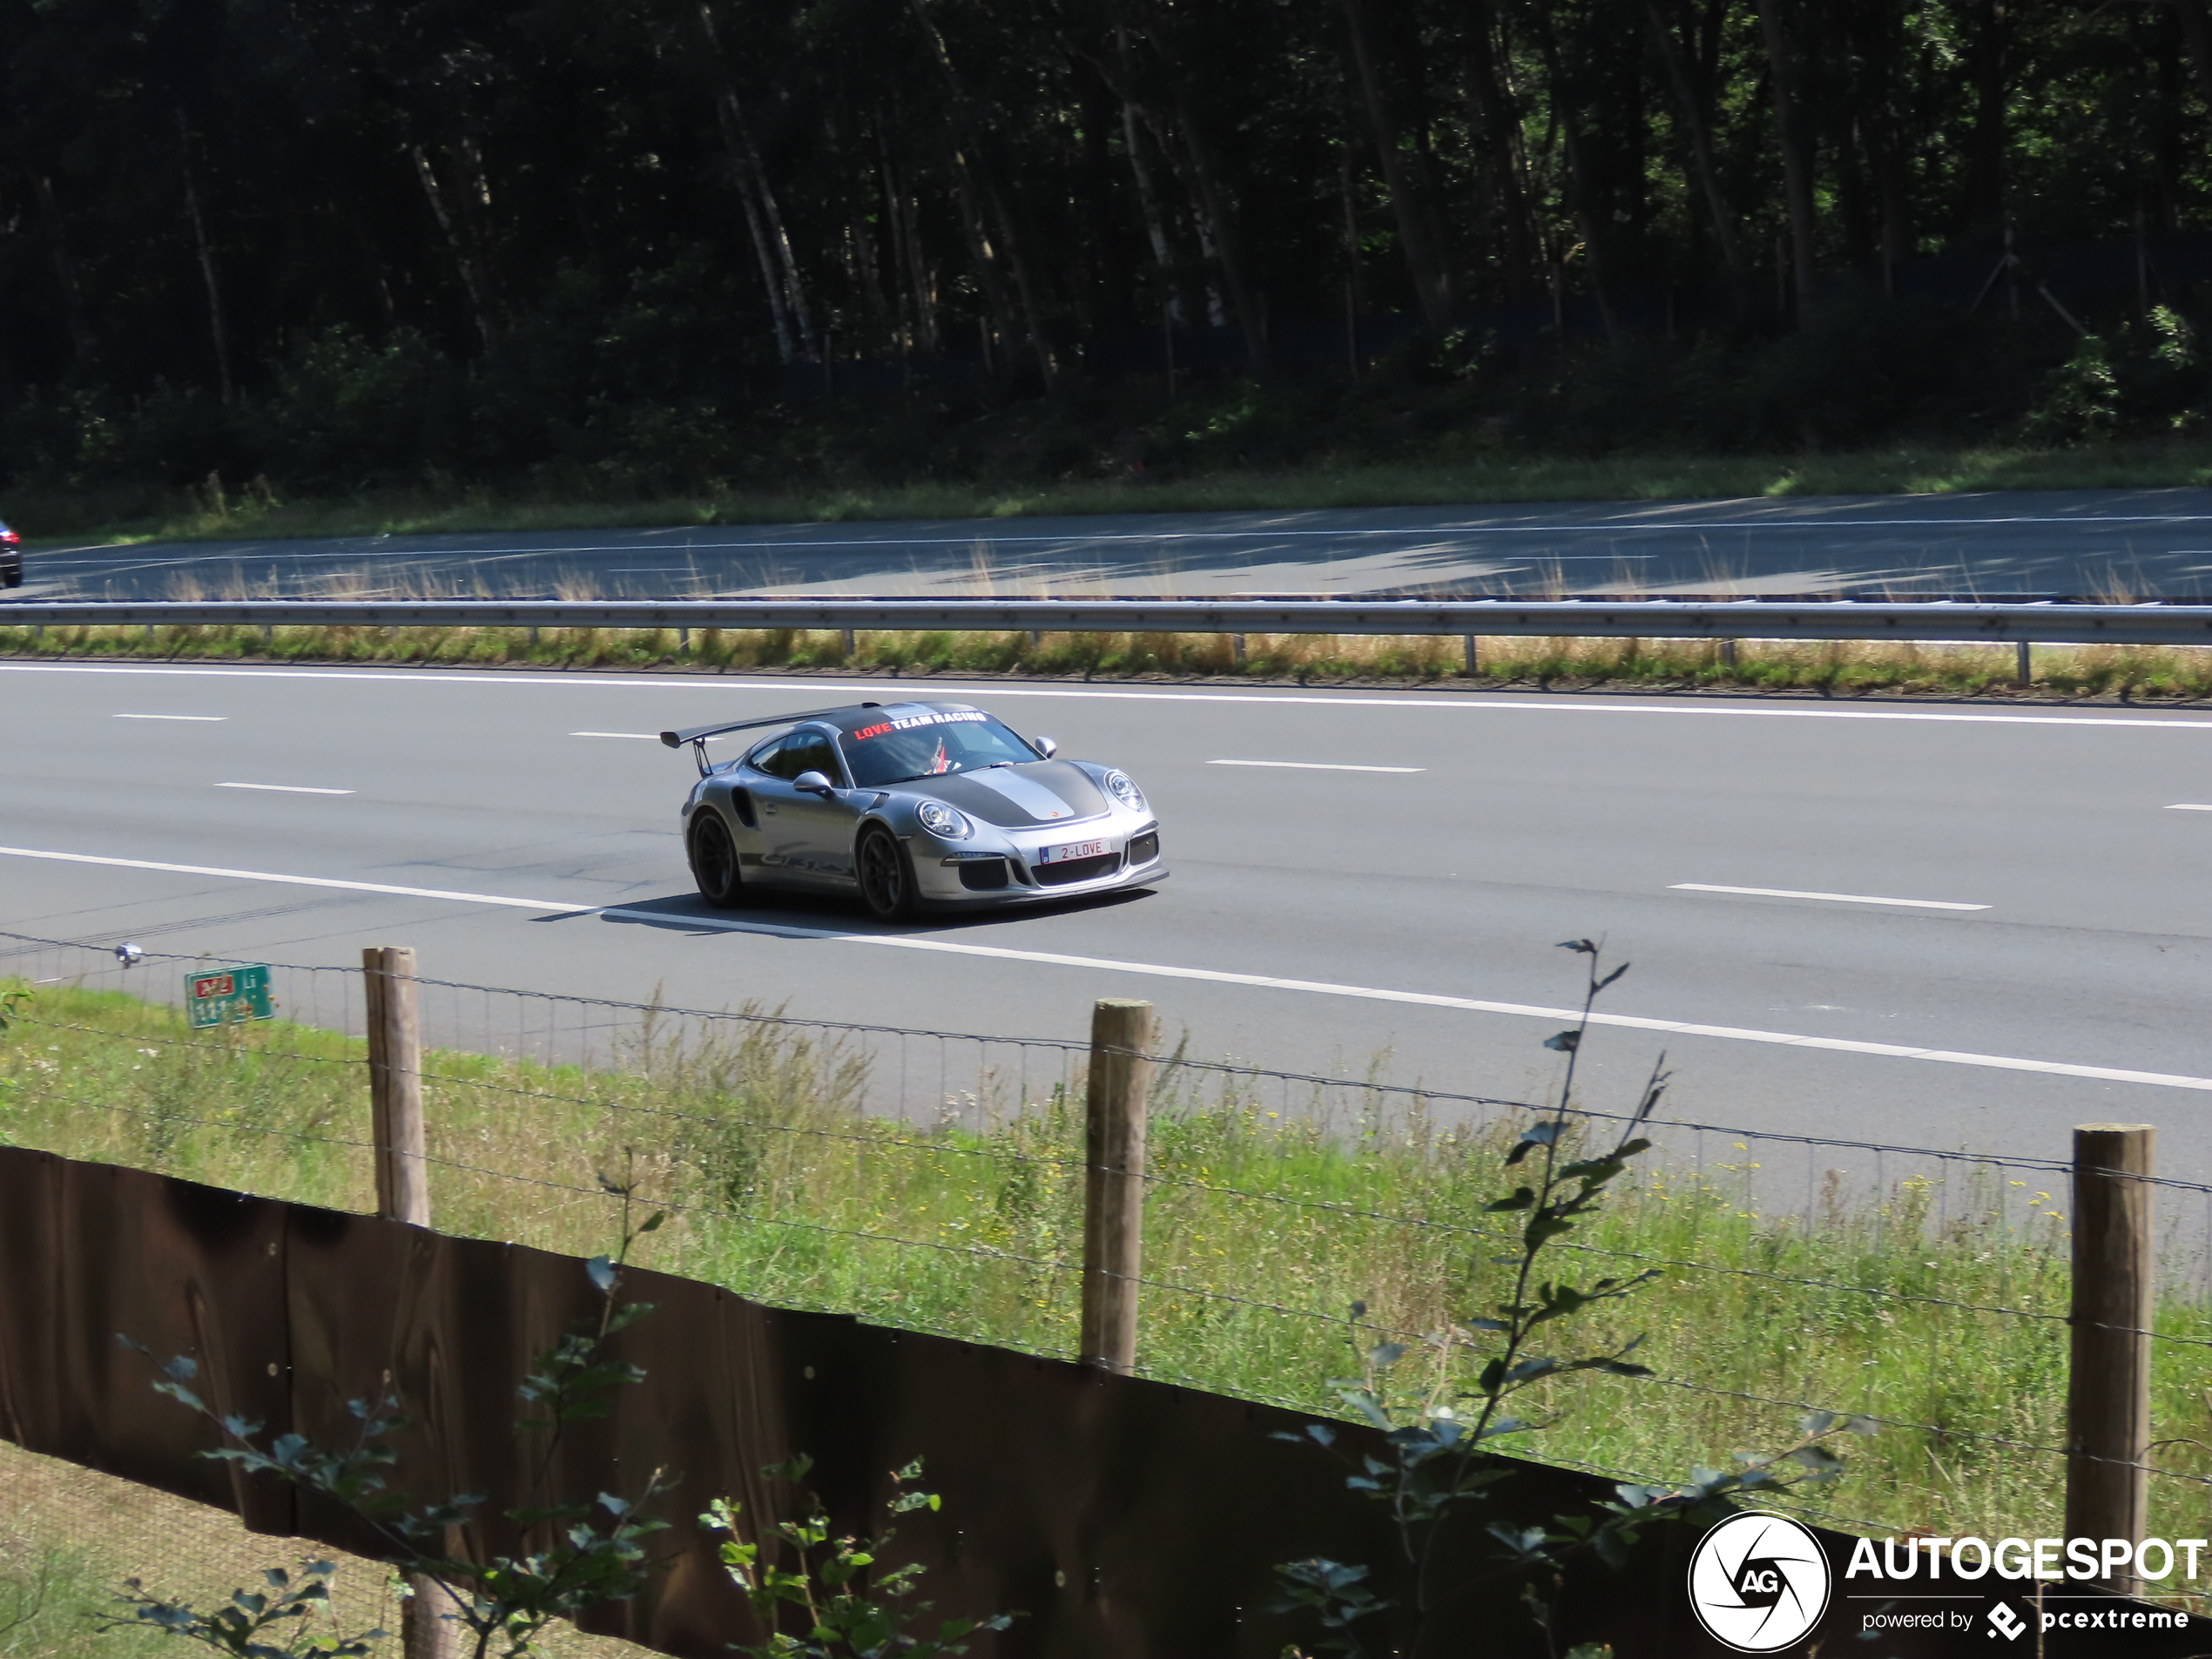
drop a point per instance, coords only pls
(1023, 797)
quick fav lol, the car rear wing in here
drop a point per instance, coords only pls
(698, 735)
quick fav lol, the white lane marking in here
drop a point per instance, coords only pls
(2187, 807)
(1313, 765)
(212, 717)
(1471, 701)
(643, 736)
(1421, 998)
(1833, 898)
(557, 907)
(286, 789)
(1627, 1022)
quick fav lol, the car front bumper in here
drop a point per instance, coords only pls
(980, 878)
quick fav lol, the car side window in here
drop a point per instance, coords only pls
(805, 751)
(768, 759)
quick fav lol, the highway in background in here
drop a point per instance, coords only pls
(2076, 544)
(1813, 895)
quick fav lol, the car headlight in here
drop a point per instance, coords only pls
(942, 821)
(1125, 790)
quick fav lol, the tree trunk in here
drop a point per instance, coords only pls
(1148, 196)
(1431, 286)
(218, 330)
(1881, 49)
(472, 283)
(771, 277)
(2196, 35)
(905, 217)
(50, 215)
(1496, 115)
(979, 190)
(1148, 200)
(1987, 141)
(1566, 108)
(1697, 124)
(780, 267)
(1228, 248)
(862, 255)
(1796, 161)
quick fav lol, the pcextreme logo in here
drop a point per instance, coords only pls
(1759, 1582)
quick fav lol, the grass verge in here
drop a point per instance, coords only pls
(212, 512)
(2121, 673)
(69, 1536)
(1261, 1226)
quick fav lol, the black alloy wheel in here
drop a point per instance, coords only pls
(714, 858)
(887, 879)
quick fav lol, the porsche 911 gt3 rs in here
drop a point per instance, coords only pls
(908, 804)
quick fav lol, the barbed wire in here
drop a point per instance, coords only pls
(2043, 1166)
(748, 1016)
(1685, 1385)
(1212, 1189)
(985, 1252)
(1060, 1264)
(1501, 1234)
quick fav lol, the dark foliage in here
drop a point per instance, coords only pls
(644, 246)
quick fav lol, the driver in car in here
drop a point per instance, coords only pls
(931, 751)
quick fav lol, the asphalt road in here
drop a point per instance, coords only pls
(2055, 949)
(2080, 545)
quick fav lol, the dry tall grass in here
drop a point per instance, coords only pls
(1837, 669)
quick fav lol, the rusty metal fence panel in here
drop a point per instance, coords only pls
(1122, 1516)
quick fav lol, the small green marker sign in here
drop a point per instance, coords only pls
(218, 996)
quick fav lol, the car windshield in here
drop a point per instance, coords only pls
(924, 745)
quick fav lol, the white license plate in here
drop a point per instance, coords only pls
(1072, 850)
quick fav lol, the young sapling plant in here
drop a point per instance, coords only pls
(1438, 1422)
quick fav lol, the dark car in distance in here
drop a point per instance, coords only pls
(10, 558)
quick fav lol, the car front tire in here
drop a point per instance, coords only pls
(886, 877)
(713, 858)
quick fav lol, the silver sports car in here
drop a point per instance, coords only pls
(911, 804)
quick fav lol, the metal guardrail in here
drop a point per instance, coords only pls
(2055, 623)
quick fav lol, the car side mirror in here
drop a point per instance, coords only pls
(1045, 747)
(814, 783)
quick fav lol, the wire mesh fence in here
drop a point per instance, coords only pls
(935, 1180)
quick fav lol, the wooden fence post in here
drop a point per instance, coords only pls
(403, 1194)
(395, 1084)
(1121, 1032)
(2108, 1395)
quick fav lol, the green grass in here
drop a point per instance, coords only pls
(71, 1536)
(1265, 1225)
(1835, 668)
(124, 514)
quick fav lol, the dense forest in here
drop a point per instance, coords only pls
(345, 241)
